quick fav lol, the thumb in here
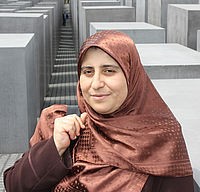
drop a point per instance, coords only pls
(84, 117)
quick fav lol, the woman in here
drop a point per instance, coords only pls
(128, 139)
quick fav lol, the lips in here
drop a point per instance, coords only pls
(99, 96)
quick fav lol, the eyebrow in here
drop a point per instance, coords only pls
(102, 66)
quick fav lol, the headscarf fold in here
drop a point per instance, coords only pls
(118, 152)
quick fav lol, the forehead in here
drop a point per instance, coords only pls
(97, 55)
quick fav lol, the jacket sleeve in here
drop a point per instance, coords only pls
(39, 169)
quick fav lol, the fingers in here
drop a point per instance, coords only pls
(84, 117)
(72, 125)
(67, 128)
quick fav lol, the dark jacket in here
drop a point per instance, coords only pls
(41, 169)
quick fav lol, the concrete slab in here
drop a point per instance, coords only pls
(183, 23)
(82, 4)
(48, 34)
(17, 5)
(29, 23)
(11, 1)
(142, 10)
(85, 3)
(104, 14)
(157, 10)
(198, 40)
(22, 4)
(3, 1)
(169, 61)
(74, 6)
(59, 5)
(58, 12)
(130, 3)
(140, 32)
(35, 1)
(52, 14)
(7, 10)
(57, 18)
(18, 90)
(10, 7)
(182, 97)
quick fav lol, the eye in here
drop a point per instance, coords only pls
(87, 72)
(109, 71)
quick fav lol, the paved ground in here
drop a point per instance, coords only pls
(6, 160)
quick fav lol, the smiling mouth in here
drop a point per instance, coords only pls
(99, 96)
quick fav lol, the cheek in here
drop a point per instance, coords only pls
(123, 89)
(84, 84)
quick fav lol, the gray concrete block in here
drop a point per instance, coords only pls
(98, 3)
(18, 4)
(182, 96)
(57, 18)
(3, 1)
(142, 10)
(130, 3)
(157, 10)
(10, 1)
(198, 40)
(7, 10)
(59, 5)
(17, 91)
(183, 23)
(75, 23)
(75, 6)
(169, 61)
(58, 12)
(22, 4)
(104, 14)
(48, 37)
(92, 4)
(16, 7)
(35, 1)
(52, 16)
(29, 23)
(140, 32)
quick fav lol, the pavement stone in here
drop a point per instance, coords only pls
(6, 160)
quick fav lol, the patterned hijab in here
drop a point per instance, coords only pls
(118, 152)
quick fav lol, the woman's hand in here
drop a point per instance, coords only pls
(67, 128)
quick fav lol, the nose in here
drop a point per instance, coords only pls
(97, 81)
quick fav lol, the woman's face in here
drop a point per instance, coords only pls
(102, 82)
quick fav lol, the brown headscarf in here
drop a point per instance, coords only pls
(118, 152)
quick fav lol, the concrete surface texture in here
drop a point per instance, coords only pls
(17, 91)
(140, 32)
(48, 43)
(183, 23)
(157, 10)
(169, 61)
(6, 10)
(142, 10)
(105, 14)
(29, 23)
(130, 3)
(198, 40)
(98, 3)
(53, 20)
(83, 4)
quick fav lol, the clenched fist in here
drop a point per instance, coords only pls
(67, 128)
